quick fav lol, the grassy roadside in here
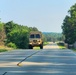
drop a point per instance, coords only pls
(74, 49)
(4, 48)
(45, 43)
(61, 45)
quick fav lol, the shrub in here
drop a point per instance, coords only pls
(11, 45)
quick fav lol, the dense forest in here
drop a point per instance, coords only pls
(16, 36)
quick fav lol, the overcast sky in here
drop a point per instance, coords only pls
(46, 15)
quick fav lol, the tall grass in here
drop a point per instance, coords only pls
(3, 50)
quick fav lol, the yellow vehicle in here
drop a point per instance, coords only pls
(35, 39)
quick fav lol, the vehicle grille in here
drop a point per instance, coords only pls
(34, 41)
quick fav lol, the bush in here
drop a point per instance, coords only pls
(11, 45)
(60, 44)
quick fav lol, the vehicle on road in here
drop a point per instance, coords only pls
(35, 39)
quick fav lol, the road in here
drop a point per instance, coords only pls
(49, 61)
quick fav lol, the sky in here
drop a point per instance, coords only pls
(46, 15)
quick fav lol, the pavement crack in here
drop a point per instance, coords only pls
(26, 58)
(4, 73)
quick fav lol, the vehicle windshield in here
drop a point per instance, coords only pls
(37, 36)
(32, 36)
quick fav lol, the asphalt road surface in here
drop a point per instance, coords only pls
(48, 61)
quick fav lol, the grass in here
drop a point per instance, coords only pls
(61, 45)
(74, 49)
(4, 48)
(36, 48)
(45, 43)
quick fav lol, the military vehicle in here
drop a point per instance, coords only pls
(35, 39)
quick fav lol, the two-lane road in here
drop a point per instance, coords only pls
(51, 61)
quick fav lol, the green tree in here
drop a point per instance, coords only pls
(33, 29)
(2, 34)
(69, 26)
(52, 36)
(20, 38)
(9, 26)
(18, 34)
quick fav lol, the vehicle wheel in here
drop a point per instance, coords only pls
(30, 47)
(41, 46)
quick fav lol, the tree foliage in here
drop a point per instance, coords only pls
(18, 34)
(2, 33)
(69, 26)
(50, 36)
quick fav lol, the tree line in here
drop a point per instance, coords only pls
(15, 35)
(52, 36)
(69, 26)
